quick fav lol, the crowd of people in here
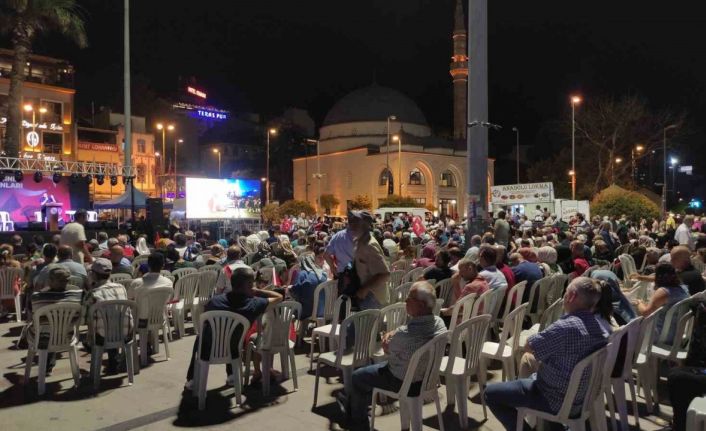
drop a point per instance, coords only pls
(288, 261)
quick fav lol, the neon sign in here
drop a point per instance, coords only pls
(195, 92)
(43, 126)
(211, 114)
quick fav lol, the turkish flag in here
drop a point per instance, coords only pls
(418, 226)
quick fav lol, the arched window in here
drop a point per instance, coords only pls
(416, 178)
(385, 177)
(448, 179)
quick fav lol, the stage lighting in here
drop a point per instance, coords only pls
(114, 180)
(19, 176)
(38, 177)
(74, 178)
(88, 178)
(56, 177)
(125, 179)
(100, 179)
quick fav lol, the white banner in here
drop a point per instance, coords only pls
(522, 193)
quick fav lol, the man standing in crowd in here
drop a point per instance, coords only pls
(369, 261)
(558, 348)
(74, 235)
(340, 250)
(683, 233)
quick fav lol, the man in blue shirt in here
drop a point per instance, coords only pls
(558, 348)
(526, 271)
(340, 250)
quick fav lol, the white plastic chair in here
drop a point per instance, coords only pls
(395, 278)
(504, 350)
(538, 295)
(118, 333)
(119, 277)
(180, 272)
(204, 291)
(216, 268)
(627, 264)
(483, 303)
(696, 415)
(463, 362)
(515, 294)
(413, 275)
(425, 362)
(401, 265)
(9, 277)
(494, 307)
(184, 292)
(445, 288)
(153, 302)
(556, 290)
(641, 289)
(642, 360)
(391, 317)
(400, 293)
(462, 310)
(91, 216)
(632, 332)
(57, 325)
(329, 333)
(275, 341)
(223, 326)
(364, 324)
(330, 291)
(592, 366)
(6, 224)
(549, 316)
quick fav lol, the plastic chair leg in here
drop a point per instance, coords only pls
(266, 365)
(143, 347)
(311, 350)
(130, 363)
(42, 371)
(283, 360)
(622, 406)
(635, 411)
(28, 365)
(73, 359)
(248, 354)
(203, 380)
(348, 379)
(237, 378)
(96, 357)
(293, 367)
(373, 407)
(415, 413)
(18, 308)
(438, 408)
(461, 395)
(135, 357)
(450, 382)
(481, 388)
(316, 383)
(166, 341)
(405, 407)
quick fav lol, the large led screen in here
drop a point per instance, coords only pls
(232, 198)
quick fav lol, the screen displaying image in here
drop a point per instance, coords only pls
(231, 198)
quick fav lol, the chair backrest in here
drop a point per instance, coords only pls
(512, 326)
(180, 272)
(556, 290)
(59, 322)
(514, 298)
(185, 289)
(627, 335)
(119, 276)
(427, 358)
(462, 310)
(445, 288)
(400, 293)
(207, 285)
(640, 290)
(483, 303)
(538, 297)
(127, 284)
(413, 275)
(396, 278)
(589, 370)
(116, 316)
(365, 325)
(437, 307)
(401, 265)
(393, 316)
(682, 336)
(154, 301)
(627, 264)
(330, 289)
(209, 268)
(8, 279)
(647, 335)
(279, 320)
(223, 325)
(467, 340)
(79, 281)
(139, 260)
(496, 302)
(674, 315)
(344, 302)
(551, 314)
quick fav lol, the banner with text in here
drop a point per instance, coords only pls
(522, 193)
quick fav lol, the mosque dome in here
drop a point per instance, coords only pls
(375, 103)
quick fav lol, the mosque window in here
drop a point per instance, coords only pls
(385, 177)
(416, 178)
(447, 179)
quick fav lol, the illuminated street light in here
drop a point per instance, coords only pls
(575, 100)
(217, 151)
(674, 161)
(271, 131)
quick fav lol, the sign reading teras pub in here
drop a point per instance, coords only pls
(522, 193)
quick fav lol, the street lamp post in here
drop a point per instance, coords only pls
(517, 136)
(575, 100)
(387, 157)
(664, 175)
(616, 161)
(164, 129)
(176, 178)
(218, 152)
(158, 156)
(674, 162)
(317, 175)
(267, 168)
(637, 149)
(398, 139)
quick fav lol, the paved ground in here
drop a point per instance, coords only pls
(157, 401)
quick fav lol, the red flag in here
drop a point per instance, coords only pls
(418, 226)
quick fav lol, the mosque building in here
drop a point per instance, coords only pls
(375, 141)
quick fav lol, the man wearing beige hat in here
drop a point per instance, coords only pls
(369, 262)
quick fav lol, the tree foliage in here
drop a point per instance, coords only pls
(616, 201)
(361, 202)
(270, 213)
(294, 207)
(399, 201)
(607, 129)
(329, 202)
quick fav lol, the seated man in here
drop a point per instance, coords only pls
(558, 349)
(243, 299)
(120, 264)
(399, 345)
(152, 279)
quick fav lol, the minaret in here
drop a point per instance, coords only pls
(459, 72)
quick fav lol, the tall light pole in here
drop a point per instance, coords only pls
(161, 127)
(616, 161)
(398, 139)
(575, 100)
(636, 150)
(128, 105)
(176, 178)
(157, 154)
(674, 162)
(664, 176)
(387, 157)
(517, 136)
(318, 174)
(218, 152)
(267, 168)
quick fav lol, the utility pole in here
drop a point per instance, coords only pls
(128, 111)
(477, 111)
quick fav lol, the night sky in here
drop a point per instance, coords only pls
(264, 56)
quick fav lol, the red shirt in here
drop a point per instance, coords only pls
(509, 275)
(580, 266)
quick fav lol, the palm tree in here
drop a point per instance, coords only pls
(24, 20)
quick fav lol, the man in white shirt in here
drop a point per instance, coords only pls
(152, 279)
(683, 233)
(487, 258)
(390, 245)
(74, 235)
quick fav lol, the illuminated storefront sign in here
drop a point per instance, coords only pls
(42, 126)
(32, 139)
(94, 146)
(203, 112)
(215, 115)
(39, 156)
(195, 92)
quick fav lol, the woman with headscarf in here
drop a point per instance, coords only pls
(428, 256)
(285, 251)
(141, 246)
(547, 256)
(310, 275)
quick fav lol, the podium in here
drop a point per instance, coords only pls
(53, 210)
